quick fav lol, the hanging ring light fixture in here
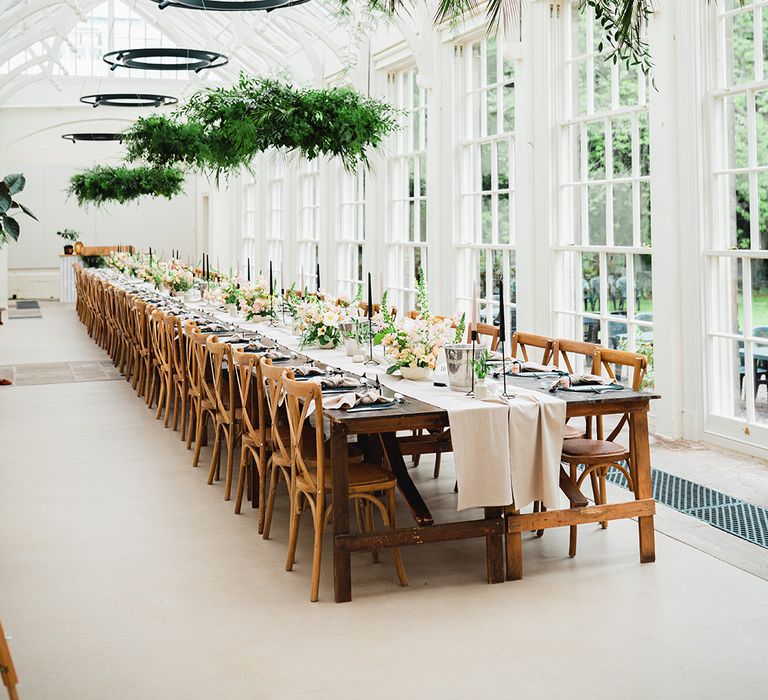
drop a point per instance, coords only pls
(152, 59)
(127, 99)
(93, 136)
(229, 5)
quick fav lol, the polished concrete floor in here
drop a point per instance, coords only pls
(123, 575)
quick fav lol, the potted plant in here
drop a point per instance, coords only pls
(11, 185)
(71, 235)
(482, 369)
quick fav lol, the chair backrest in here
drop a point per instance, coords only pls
(272, 381)
(523, 342)
(247, 370)
(607, 360)
(176, 346)
(201, 367)
(486, 330)
(303, 400)
(158, 338)
(376, 308)
(568, 350)
(220, 357)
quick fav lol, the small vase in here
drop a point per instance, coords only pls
(231, 309)
(296, 326)
(481, 389)
(415, 374)
(327, 346)
(351, 346)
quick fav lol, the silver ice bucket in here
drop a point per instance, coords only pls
(458, 356)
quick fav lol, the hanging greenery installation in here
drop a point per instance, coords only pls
(102, 184)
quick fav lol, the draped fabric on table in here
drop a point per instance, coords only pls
(504, 451)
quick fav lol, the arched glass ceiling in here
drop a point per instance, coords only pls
(55, 39)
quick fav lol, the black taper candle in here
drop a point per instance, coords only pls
(249, 269)
(370, 298)
(150, 254)
(502, 326)
(271, 287)
(317, 275)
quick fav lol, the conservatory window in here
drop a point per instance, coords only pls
(407, 230)
(275, 234)
(308, 232)
(250, 245)
(605, 226)
(485, 239)
(350, 236)
(737, 258)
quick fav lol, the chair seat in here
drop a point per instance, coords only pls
(585, 448)
(362, 476)
(570, 432)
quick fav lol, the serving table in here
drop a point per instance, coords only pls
(378, 429)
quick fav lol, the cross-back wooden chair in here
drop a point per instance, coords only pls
(279, 461)
(485, 330)
(141, 331)
(203, 403)
(228, 413)
(523, 342)
(7, 669)
(377, 309)
(162, 364)
(255, 446)
(179, 383)
(597, 455)
(311, 481)
(571, 354)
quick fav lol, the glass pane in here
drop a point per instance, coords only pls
(591, 335)
(645, 144)
(622, 146)
(487, 214)
(485, 164)
(490, 62)
(628, 86)
(760, 298)
(645, 214)
(411, 178)
(509, 107)
(492, 111)
(742, 48)
(504, 218)
(423, 219)
(762, 188)
(761, 126)
(596, 194)
(477, 66)
(512, 278)
(502, 156)
(590, 281)
(728, 359)
(739, 229)
(617, 283)
(422, 174)
(580, 87)
(596, 150)
(643, 288)
(622, 214)
(602, 84)
(736, 110)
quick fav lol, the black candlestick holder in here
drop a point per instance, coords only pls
(370, 360)
(471, 392)
(505, 394)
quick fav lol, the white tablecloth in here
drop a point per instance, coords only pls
(504, 451)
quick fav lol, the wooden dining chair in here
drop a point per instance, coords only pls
(7, 669)
(141, 332)
(254, 445)
(227, 416)
(162, 366)
(311, 481)
(179, 380)
(522, 344)
(598, 454)
(485, 331)
(203, 402)
(377, 309)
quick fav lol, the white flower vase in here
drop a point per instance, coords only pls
(296, 326)
(415, 374)
(482, 391)
(231, 309)
(326, 346)
(351, 346)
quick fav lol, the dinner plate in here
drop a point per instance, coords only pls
(371, 407)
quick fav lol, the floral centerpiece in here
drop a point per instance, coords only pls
(320, 321)
(414, 344)
(256, 302)
(177, 277)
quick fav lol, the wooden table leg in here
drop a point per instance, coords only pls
(413, 498)
(494, 549)
(639, 430)
(342, 574)
(514, 551)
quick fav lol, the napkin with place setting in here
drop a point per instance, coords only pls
(307, 371)
(585, 379)
(336, 381)
(353, 399)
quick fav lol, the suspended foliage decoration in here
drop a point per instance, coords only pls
(220, 130)
(102, 184)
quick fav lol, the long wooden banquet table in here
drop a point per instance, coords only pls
(499, 525)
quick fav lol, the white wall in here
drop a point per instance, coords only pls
(30, 142)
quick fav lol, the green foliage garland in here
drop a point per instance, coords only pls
(220, 130)
(103, 184)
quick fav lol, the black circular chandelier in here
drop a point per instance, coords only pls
(152, 59)
(127, 99)
(229, 5)
(93, 136)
